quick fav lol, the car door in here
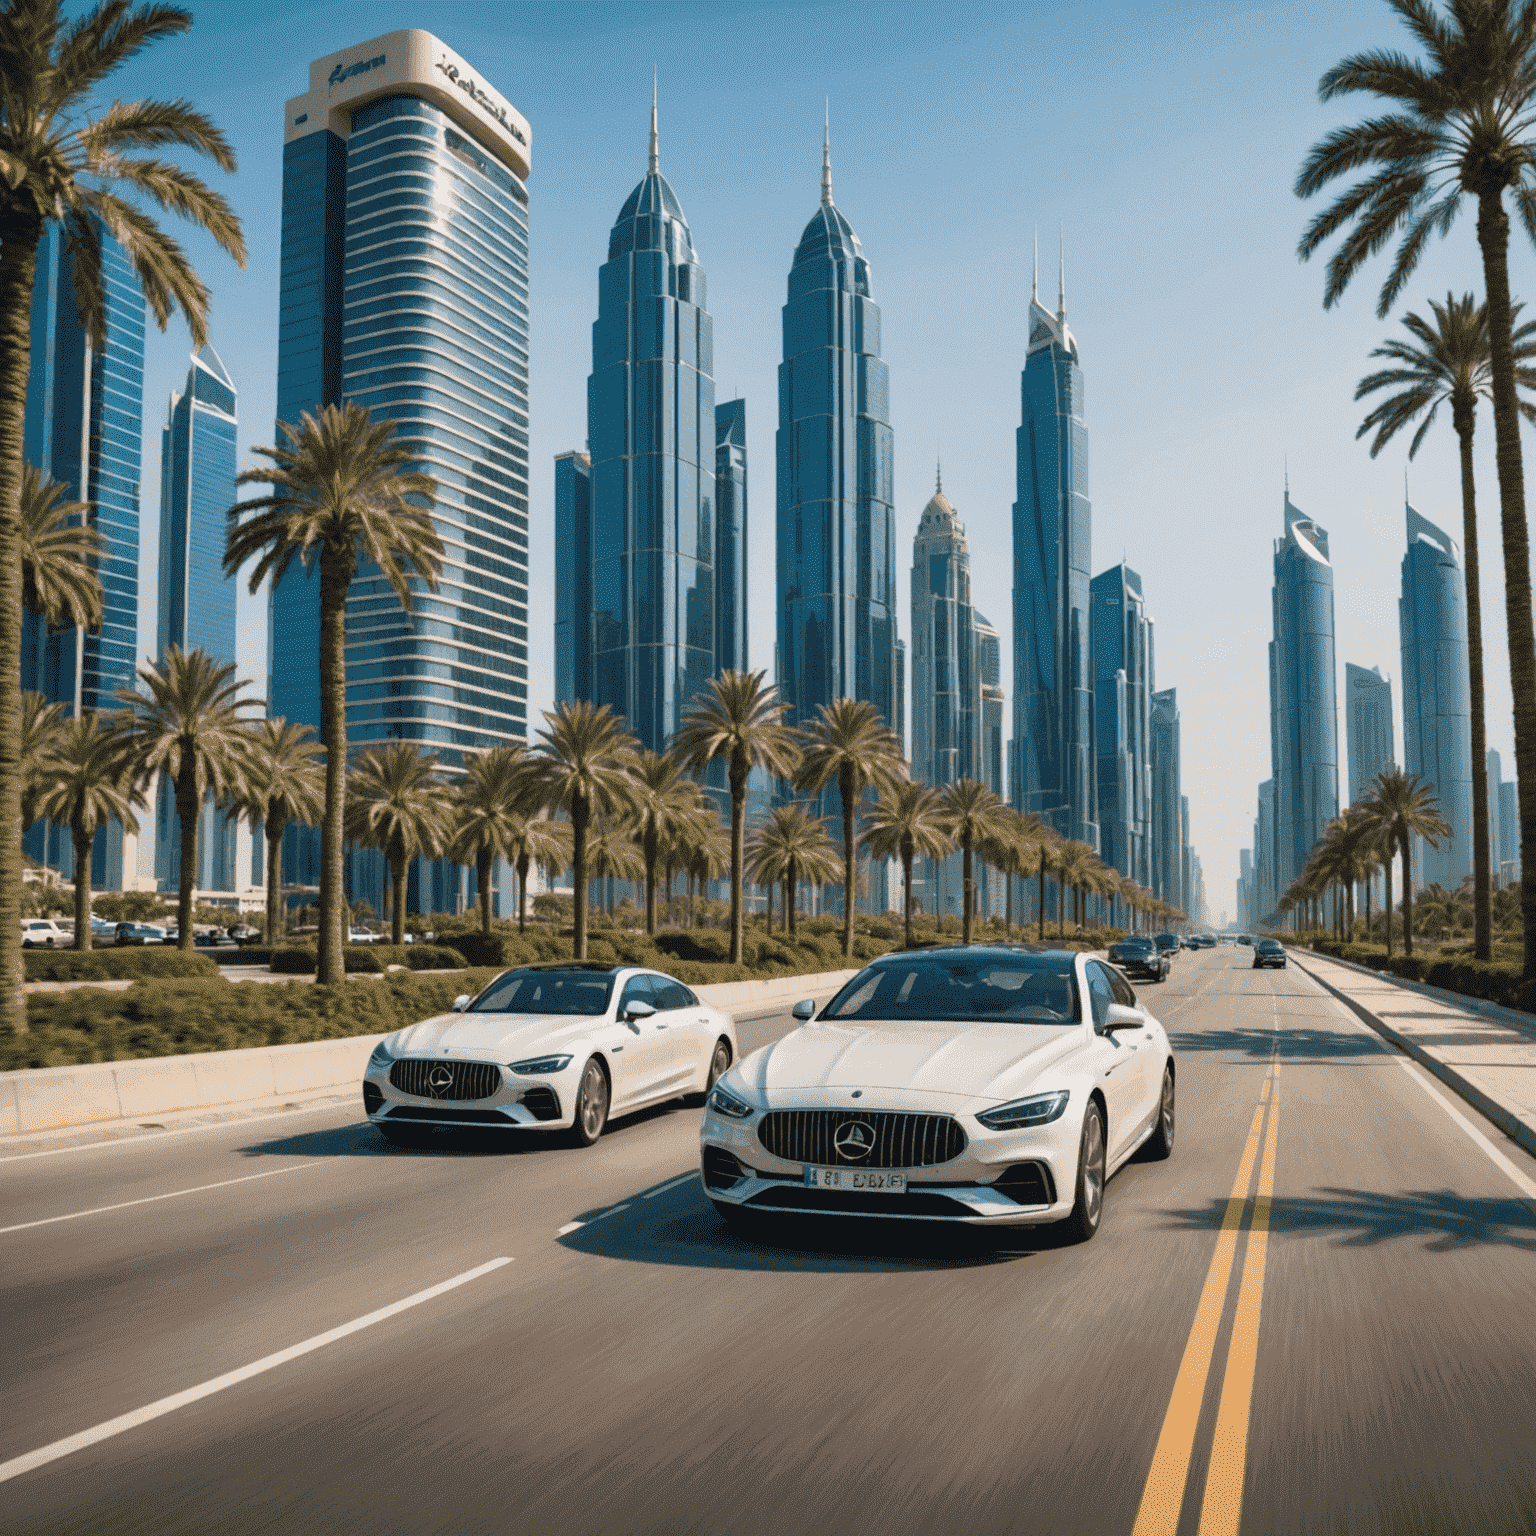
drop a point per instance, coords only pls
(646, 1044)
(1119, 1074)
(1149, 1052)
(690, 1028)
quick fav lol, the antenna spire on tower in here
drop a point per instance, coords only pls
(826, 153)
(1061, 289)
(1034, 283)
(938, 472)
(655, 143)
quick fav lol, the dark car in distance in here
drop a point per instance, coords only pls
(1139, 956)
(1268, 952)
(1169, 944)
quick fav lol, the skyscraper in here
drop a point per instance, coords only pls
(836, 549)
(1495, 770)
(1303, 705)
(651, 430)
(84, 428)
(989, 663)
(197, 600)
(731, 536)
(1054, 768)
(1168, 803)
(1368, 727)
(1437, 710)
(1122, 697)
(404, 288)
(573, 577)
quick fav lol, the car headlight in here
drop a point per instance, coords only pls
(726, 1103)
(383, 1053)
(540, 1066)
(1039, 1110)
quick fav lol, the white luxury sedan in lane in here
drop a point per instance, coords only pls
(560, 1047)
(991, 1085)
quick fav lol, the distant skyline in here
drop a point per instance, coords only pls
(1162, 142)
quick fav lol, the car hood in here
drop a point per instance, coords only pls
(985, 1061)
(491, 1036)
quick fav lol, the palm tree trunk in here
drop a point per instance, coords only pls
(845, 789)
(791, 888)
(1493, 237)
(274, 828)
(397, 864)
(483, 862)
(1042, 895)
(580, 813)
(20, 232)
(738, 777)
(906, 893)
(650, 846)
(968, 894)
(1008, 905)
(82, 841)
(330, 969)
(1407, 896)
(187, 807)
(522, 892)
(1368, 882)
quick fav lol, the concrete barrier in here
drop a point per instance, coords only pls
(54, 1098)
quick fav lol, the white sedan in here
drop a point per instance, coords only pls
(985, 1084)
(560, 1047)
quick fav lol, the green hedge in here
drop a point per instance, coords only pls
(358, 959)
(168, 1018)
(1493, 981)
(113, 964)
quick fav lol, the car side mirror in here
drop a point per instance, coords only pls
(461, 1002)
(638, 1010)
(1121, 1017)
(804, 1009)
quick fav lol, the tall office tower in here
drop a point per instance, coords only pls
(1187, 869)
(1509, 834)
(836, 540)
(1367, 727)
(1303, 707)
(651, 430)
(573, 577)
(197, 600)
(1437, 709)
(989, 663)
(84, 428)
(404, 288)
(1245, 888)
(1054, 767)
(1266, 894)
(1122, 700)
(946, 681)
(1495, 849)
(1167, 857)
(731, 536)
(900, 726)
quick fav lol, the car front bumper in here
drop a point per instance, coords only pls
(544, 1103)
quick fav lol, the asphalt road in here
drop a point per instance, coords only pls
(1349, 1344)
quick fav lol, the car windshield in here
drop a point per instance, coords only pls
(1135, 943)
(1022, 989)
(582, 994)
(1269, 944)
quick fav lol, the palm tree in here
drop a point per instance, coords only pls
(1448, 360)
(586, 759)
(709, 856)
(850, 745)
(971, 814)
(190, 728)
(58, 555)
(537, 840)
(740, 720)
(1401, 807)
(1462, 125)
(37, 753)
(397, 804)
(663, 798)
(62, 157)
(342, 494)
(791, 846)
(907, 822)
(611, 851)
(491, 805)
(91, 786)
(286, 783)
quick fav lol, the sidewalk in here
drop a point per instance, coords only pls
(1485, 1053)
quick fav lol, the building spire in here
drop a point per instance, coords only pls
(826, 154)
(938, 474)
(655, 142)
(1061, 289)
(1034, 283)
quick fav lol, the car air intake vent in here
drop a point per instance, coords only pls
(916, 1202)
(721, 1170)
(373, 1097)
(840, 1137)
(1028, 1183)
(438, 1116)
(542, 1103)
(446, 1079)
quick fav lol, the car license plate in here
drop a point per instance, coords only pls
(880, 1181)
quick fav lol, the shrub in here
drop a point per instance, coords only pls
(419, 957)
(113, 964)
(357, 959)
(1492, 981)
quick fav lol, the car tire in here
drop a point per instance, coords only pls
(593, 1097)
(405, 1135)
(1160, 1142)
(719, 1061)
(1088, 1206)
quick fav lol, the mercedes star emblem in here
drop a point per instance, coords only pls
(439, 1080)
(854, 1140)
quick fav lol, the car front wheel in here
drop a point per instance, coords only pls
(1089, 1208)
(1160, 1143)
(592, 1099)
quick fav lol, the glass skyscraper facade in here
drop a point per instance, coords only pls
(1437, 709)
(731, 536)
(1122, 701)
(196, 600)
(1303, 703)
(836, 537)
(1367, 727)
(85, 428)
(1168, 803)
(573, 577)
(1053, 747)
(404, 288)
(651, 432)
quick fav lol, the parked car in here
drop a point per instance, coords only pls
(364, 936)
(1268, 952)
(43, 933)
(1168, 943)
(1139, 956)
(140, 933)
(243, 934)
(1243, 938)
(207, 934)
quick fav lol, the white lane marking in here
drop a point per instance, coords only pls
(157, 1137)
(126, 1421)
(175, 1194)
(681, 1179)
(571, 1226)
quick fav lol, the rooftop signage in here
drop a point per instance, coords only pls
(481, 97)
(346, 71)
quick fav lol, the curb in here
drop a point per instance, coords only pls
(1490, 1109)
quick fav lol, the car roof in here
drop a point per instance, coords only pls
(1023, 947)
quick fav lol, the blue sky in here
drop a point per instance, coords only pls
(1161, 141)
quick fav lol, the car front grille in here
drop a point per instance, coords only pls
(464, 1079)
(899, 1140)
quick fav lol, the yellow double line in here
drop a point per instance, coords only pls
(1222, 1506)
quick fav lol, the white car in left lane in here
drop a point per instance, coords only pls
(558, 1047)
